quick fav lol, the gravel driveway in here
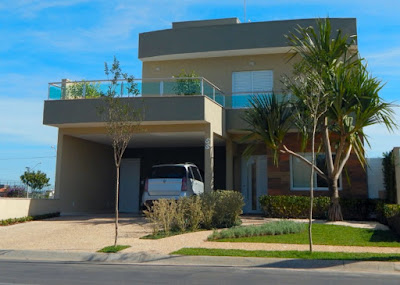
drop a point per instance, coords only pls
(91, 233)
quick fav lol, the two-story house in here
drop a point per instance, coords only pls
(234, 61)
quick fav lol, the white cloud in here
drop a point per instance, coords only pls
(31, 8)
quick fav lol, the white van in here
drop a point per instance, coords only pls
(172, 181)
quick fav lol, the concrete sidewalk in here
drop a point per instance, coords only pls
(204, 261)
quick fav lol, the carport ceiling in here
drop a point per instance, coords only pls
(167, 139)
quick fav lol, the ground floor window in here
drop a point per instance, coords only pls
(300, 173)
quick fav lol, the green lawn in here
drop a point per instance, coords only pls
(330, 235)
(113, 249)
(290, 254)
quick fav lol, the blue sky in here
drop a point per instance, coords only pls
(47, 40)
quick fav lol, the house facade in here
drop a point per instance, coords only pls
(233, 61)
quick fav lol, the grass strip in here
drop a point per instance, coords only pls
(9, 222)
(330, 235)
(113, 249)
(358, 256)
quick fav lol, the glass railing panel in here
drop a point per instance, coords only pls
(220, 98)
(242, 100)
(149, 88)
(208, 90)
(170, 87)
(54, 92)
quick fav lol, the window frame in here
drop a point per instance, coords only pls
(292, 188)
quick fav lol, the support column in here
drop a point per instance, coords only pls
(229, 164)
(64, 83)
(208, 159)
(58, 164)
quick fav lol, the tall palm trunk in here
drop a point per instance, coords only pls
(335, 211)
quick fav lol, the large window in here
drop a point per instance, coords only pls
(245, 84)
(300, 173)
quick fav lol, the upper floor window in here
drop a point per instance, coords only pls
(248, 83)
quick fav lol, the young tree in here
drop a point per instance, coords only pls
(122, 120)
(310, 105)
(36, 180)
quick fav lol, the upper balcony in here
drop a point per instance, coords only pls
(154, 87)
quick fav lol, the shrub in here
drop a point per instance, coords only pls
(293, 206)
(215, 209)
(9, 222)
(16, 192)
(226, 207)
(360, 209)
(298, 207)
(208, 204)
(181, 221)
(272, 228)
(389, 176)
(188, 215)
(187, 83)
(391, 213)
(194, 213)
(391, 210)
(161, 214)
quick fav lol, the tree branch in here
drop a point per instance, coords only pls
(319, 171)
(327, 145)
(343, 162)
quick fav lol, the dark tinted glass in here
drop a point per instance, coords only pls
(196, 173)
(168, 172)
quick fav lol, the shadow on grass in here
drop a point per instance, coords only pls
(384, 236)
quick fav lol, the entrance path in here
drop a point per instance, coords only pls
(91, 233)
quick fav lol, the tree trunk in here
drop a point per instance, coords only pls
(116, 207)
(312, 187)
(310, 218)
(335, 211)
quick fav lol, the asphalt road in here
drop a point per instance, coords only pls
(59, 273)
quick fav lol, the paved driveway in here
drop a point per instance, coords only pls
(72, 233)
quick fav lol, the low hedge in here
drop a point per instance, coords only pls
(298, 207)
(293, 206)
(391, 213)
(9, 222)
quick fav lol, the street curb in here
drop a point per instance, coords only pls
(145, 258)
(42, 255)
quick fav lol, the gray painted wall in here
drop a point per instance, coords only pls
(222, 37)
(177, 108)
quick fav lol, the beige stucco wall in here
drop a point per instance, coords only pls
(85, 175)
(219, 70)
(21, 207)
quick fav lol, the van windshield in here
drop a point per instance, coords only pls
(168, 172)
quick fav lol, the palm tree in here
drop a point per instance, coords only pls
(350, 103)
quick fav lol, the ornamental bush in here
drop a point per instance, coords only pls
(228, 208)
(294, 206)
(271, 228)
(216, 209)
